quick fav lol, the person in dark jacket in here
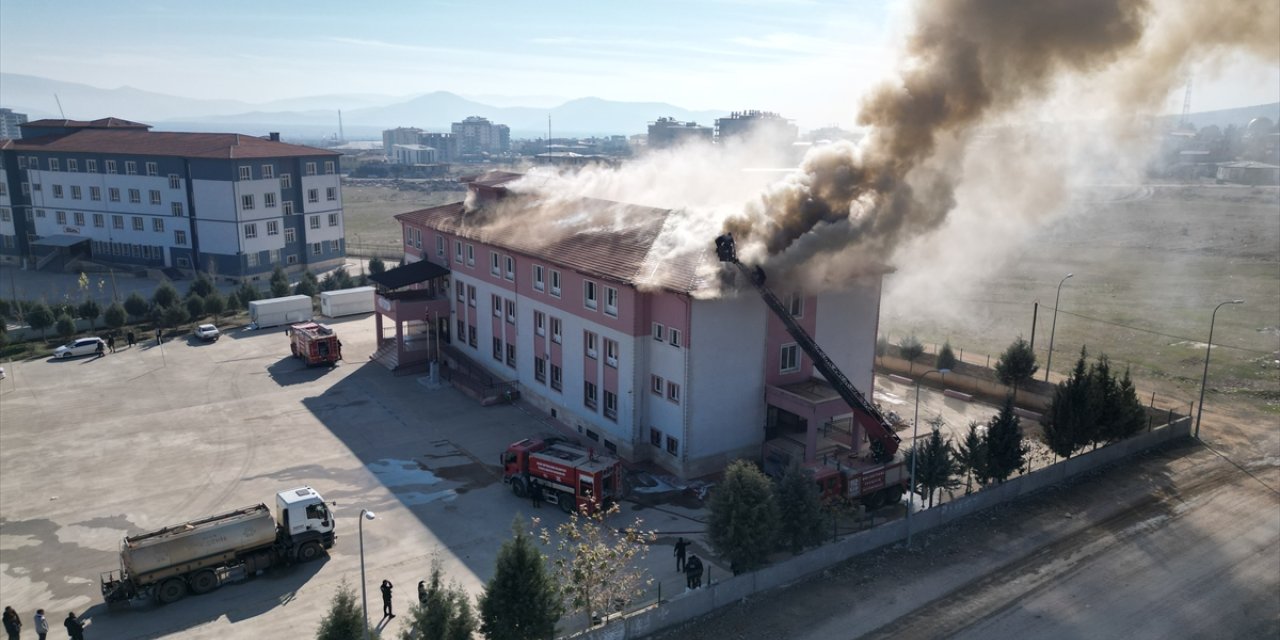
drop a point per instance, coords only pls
(681, 546)
(128, 337)
(12, 623)
(422, 592)
(75, 628)
(535, 493)
(386, 599)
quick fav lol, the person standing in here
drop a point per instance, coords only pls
(159, 335)
(422, 592)
(111, 342)
(42, 624)
(129, 338)
(101, 349)
(75, 628)
(535, 493)
(12, 623)
(681, 546)
(386, 599)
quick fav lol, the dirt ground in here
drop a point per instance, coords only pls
(369, 208)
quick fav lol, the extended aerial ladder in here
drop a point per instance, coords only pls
(884, 442)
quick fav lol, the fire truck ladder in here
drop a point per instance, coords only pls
(884, 442)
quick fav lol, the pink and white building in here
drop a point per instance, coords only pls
(638, 363)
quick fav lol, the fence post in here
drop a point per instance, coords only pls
(659, 592)
(1153, 399)
(988, 361)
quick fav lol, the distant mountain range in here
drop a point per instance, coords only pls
(313, 116)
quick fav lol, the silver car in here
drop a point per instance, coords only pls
(80, 347)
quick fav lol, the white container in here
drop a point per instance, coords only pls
(346, 302)
(274, 312)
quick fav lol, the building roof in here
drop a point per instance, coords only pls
(411, 273)
(1248, 164)
(100, 123)
(126, 140)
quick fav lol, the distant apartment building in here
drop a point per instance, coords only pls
(669, 132)
(113, 191)
(476, 135)
(399, 135)
(742, 123)
(445, 144)
(414, 154)
(11, 123)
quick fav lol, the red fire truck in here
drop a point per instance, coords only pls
(577, 479)
(314, 343)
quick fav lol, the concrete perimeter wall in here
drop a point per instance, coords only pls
(692, 604)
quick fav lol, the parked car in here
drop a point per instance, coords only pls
(80, 347)
(207, 332)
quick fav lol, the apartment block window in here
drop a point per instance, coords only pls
(53, 164)
(174, 181)
(611, 301)
(790, 360)
(91, 166)
(673, 446)
(471, 336)
(317, 248)
(26, 188)
(252, 258)
(658, 332)
(590, 340)
(313, 222)
(656, 384)
(40, 214)
(289, 235)
(286, 181)
(494, 268)
(555, 377)
(291, 259)
(157, 225)
(333, 219)
(539, 282)
(310, 168)
(497, 306)
(111, 166)
(155, 196)
(180, 237)
(60, 217)
(511, 355)
(611, 352)
(273, 227)
(135, 196)
(117, 222)
(555, 329)
(250, 230)
(57, 191)
(540, 323)
(72, 165)
(408, 237)
(287, 207)
(675, 336)
(471, 255)
(673, 392)
(796, 305)
(137, 223)
(331, 194)
(333, 246)
(462, 295)
(313, 195)
(175, 209)
(439, 246)
(328, 167)
(95, 193)
(555, 283)
(113, 194)
(36, 186)
(246, 201)
(274, 256)
(610, 405)
(268, 172)
(471, 296)
(511, 311)
(589, 293)
(152, 170)
(22, 162)
(99, 220)
(511, 268)
(78, 216)
(655, 437)
(269, 200)
(540, 370)
(462, 329)
(457, 251)
(5, 215)
(130, 168)
(75, 192)
(589, 395)
(497, 349)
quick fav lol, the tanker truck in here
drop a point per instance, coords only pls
(202, 555)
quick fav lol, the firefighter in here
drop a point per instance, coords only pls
(535, 492)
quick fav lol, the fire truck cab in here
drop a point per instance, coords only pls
(576, 479)
(314, 343)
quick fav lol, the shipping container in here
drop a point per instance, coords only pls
(346, 302)
(274, 312)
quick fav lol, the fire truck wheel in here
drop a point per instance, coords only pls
(893, 495)
(171, 591)
(293, 348)
(203, 582)
(518, 488)
(308, 552)
(874, 501)
(567, 503)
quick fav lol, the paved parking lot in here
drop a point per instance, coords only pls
(93, 449)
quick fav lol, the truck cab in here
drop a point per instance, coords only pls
(302, 515)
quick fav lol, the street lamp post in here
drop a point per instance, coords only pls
(365, 514)
(1205, 378)
(1054, 328)
(915, 426)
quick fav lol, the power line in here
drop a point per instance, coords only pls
(1158, 333)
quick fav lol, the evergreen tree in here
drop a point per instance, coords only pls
(165, 295)
(40, 317)
(136, 306)
(882, 346)
(1131, 416)
(1068, 409)
(463, 625)
(306, 286)
(1102, 394)
(279, 283)
(911, 350)
(946, 357)
(247, 293)
(971, 456)
(195, 307)
(202, 285)
(444, 614)
(214, 304)
(345, 620)
(65, 326)
(521, 600)
(376, 265)
(1006, 452)
(1017, 364)
(115, 315)
(174, 316)
(743, 525)
(234, 303)
(89, 310)
(935, 467)
(799, 510)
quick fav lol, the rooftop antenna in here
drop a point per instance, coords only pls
(55, 99)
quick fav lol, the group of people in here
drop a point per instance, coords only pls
(691, 567)
(110, 342)
(13, 625)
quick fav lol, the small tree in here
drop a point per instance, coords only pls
(279, 283)
(1017, 364)
(1068, 410)
(882, 346)
(66, 326)
(306, 286)
(971, 456)
(115, 315)
(1006, 452)
(445, 614)
(40, 317)
(946, 357)
(174, 316)
(90, 310)
(376, 265)
(345, 620)
(7, 311)
(911, 350)
(596, 564)
(214, 304)
(202, 285)
(1102, 391)
(233, 302)
(1129, 412)
(165, 295)
(247, 293)
(935, 467)
(521, 601)
(136, 306)
(743, 525)
(799, 510)
(195, 307)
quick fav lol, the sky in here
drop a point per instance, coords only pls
(807, 59)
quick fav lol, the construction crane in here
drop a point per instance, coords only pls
(884, 442)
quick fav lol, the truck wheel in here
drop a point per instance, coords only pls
(873, 501)
(518, 488)
(203, 582)
(893, 495)
(567, 503)
(293, 348)
(171, 591)
(309, 551)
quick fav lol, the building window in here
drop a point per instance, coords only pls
(610, 405)
(91, 166)
(246, 173)
(539, 283)
(78, 216)
(53, 164)
(5, 215)
(40, 214)
(673, 446)
(274, 256)
(174, 181)
(313, 222)
(658, 331)
(494, 269)
(497, 349)
(60, 217)
(462, 329)
(328, 167)
(291, 259)
(99, 220)
(611, 352)
(471, 296)
(75, 192)
(95, 193)
(273, 227)
(269, 200)
(511, 311)
(36, 186)
(317, 248)
(155, 196)
(589, 294)
(333, 219)
(555, 376)
(796, 305)
(289, 235)
(313, 195)
(471, 255)
(462, 296)
(611, 301)
(157, 224)
(57, 191)
(310, 168)
(540, 370)
(497, 306)
(511, 268)
(333, 246)
(22, 162)
(287, 207)
(675, 337)
(137, 223)
(656, 384)
(117, 222)
(180, 237)
(73, 165)
(673, 392)
(135, 196)
(26, 188)
(286, 181)
(130, 168)
(511, 355)
(111, 166)
(471, 336)
(152, 170)
(252, 258)
(439, 246)
(540, 323)
(113, 194)
(246, 201)
(556, 337)
(589, 343)
(250, 231)
(655, 437)
(457, 251)
(555, 283)
(790, 360)
(268, 172)
(331, 193)
(589, 395)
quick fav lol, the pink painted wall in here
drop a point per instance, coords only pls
(776, 336)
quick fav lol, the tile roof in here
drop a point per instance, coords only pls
(132, 141)
(100, 123)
